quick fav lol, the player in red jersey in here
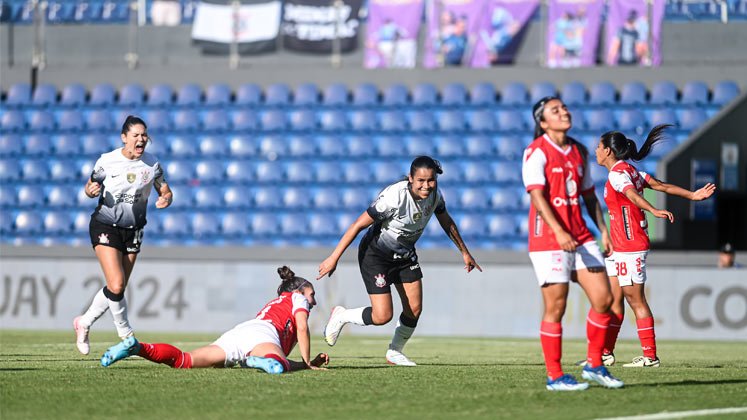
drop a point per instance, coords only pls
(263, 342)
(556, 175)
(626, 266)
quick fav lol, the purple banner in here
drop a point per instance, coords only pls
(392, 33)
(506, 26)
(633, 33)
(573, 32)
(454, 28)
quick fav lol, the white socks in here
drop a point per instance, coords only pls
(119, 313)
(401, 335)
(353, 316)
(99, 305)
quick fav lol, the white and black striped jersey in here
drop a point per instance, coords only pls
(400, 219)
(126, 185)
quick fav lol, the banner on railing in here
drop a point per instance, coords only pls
(255, 25)
(633, 33)
(453, 38)
(312, 25)
(507, 24)
(573, 32)
(392, 33)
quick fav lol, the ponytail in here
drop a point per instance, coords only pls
(289, 281)
(624, 148)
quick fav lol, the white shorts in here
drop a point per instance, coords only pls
(243, 338)
(628, 267)
(556, 266)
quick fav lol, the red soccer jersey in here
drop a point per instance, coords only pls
(281, 313)
(628, 226)
(563, 176)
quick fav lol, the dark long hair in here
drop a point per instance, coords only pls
(537, 114)
(130, 121)
(624, 148)
(290, 282)
(425, 162)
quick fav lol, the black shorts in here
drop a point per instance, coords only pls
(127, 241)
(379, 272)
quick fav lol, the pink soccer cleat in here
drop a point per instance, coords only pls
(81, 336)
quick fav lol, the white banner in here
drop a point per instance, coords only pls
(504, 301)
(257, 22)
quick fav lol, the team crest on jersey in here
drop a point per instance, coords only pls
(144, 177)
(380, 280)
(417, 216)
(103, 238)
(570, 185)
(131, 177)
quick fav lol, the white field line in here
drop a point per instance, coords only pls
(682, 414)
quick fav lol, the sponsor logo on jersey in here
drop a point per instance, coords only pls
(557, 170)
(626, 222)
(380, 280)
(131, 177)
(560, 201)
(417, 216)
(414, 267)
(133, 249)
(103, 238)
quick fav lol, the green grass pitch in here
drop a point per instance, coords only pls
(42, 376)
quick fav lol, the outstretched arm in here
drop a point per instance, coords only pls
(329, 265)
(595, 211)
(448, 225)
(671, 189)
(642, 203)
(304, 346)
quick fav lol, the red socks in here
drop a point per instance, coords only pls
(166, 354)
(612, 332)
(551, 337)
(647, 336)
(596, 332)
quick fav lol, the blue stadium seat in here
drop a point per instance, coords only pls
(333, 120)
(322, 225)
(158, 120)
(269, 172)
(482, 120)
(506, 172)
(182, 146)
(483, 94)
(216, 120)
(63, 170)
(82, 220)
(387, 171)
(131, 95)
(236, 197)
(264, 224)
(515, 94)
(180, 171)
(102, 95)
(724, 92)
(335, 94)
(58, 223)
(11, 145)
(471, 225)
(209, 171)
(306, 94)
(476, 172)
(44, 95)
(540, 90)
(389, 146)
(37, 145)
(360, 146)
(631, 120)
(13, 121)
(326, 198)
(277, 94)
(189, 95)
(330, 146)
(30, 196)
(509, 147)
(274, 120)
(242, 146)
(299, 171)
(293, 224)
(662, 116)
(301, 146)
(70, 120)
(474, 199)
(61, 196)
(663, 93)
(392, 121)
(396, 95)
(213, 146)
(363, 121)
(454, 94)
(663, 148)
(244, 119)
(73, 95)
(602, 93)
(94, 145)
(34, 170)
(598, 174)
(208, 197)
(296, 198)
(424, 95)
(600, 119)
(449, 146)
(28, 223)
(218, 95)
(248, 94)
(453, 174)
(272, 147)
(235, 224)
(355, 199)
(510, 120)
(160, 95)
(358, 173)
(692, 118)
(365, 94)
(452, 121)
(633, 93)
(419, 145)
(478, 146)
(345, 220)
(503, 199)
(501, 226)
(574, 94)
(205, 225)
(176, 224)
(303, 120)
(6, 223)
(186, 120)
(8, 197)
(422, 121)
(239, 172)
(99, 120)
(328, 172)
(19, 95)
(694, 93)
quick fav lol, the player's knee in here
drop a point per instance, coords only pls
(415, 311)
(115, 293)
(381, 317)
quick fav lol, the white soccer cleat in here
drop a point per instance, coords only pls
(396, 358)
(81, 336)
(334, 325)
(643, 361)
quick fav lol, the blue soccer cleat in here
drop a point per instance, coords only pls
(566, 383)
(602, 376)
(128, 347)
(266, 364)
